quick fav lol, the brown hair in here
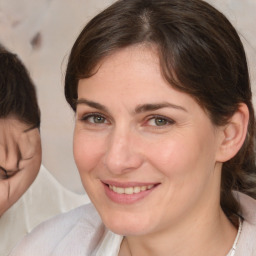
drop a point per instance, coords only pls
(200, 54)
(17, 91)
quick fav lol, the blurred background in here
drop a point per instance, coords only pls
(42, 32)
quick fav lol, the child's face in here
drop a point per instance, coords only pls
(20, 160)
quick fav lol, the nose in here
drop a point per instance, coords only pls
(122, 153)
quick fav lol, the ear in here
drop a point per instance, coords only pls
(233, 134)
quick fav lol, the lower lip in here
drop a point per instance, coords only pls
(124, 198)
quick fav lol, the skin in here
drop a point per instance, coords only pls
(174, 147)
(20, 159)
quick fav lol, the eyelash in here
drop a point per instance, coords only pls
(166, 121)
(4, 174)
(86, 117)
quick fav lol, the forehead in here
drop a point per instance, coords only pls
(130, 77)
(135, 56)
(129, 68)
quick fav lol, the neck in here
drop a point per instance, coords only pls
(204, 236)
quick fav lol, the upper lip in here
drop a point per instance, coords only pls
(128, 184)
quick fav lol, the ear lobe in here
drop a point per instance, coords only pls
(234, 134)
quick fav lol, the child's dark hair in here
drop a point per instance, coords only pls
(17, 91)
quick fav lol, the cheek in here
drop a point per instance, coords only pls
(88, 151)
(4, 188)
(168, 156)
(13, 188)
(182, 158)
(88, 154)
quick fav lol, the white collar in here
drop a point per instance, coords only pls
(109, 244)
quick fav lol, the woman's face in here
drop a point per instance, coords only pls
(146, 153)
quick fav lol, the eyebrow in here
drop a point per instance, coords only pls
(36, 126)
(153, 107)
(139, 109)
(92, 104)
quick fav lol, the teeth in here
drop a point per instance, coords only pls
(136, 190)
(120, 190)
(130, 190)
(143, 188)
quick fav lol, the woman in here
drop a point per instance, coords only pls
(164, 136)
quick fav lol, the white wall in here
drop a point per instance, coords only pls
(53, 25)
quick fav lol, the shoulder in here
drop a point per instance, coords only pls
(248, 207)
(247, 241)
(76, 233)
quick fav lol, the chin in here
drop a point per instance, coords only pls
(127, 226)
(125, 230)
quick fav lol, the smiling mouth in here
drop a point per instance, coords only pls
(130, 190)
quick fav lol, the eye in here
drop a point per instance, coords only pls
(3, 174)
(97, 119)
(159, 121)
(94, 118)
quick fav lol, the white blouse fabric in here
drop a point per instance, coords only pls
(81, 232)
(44, 199)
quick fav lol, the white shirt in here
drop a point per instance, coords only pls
(81, 232)
(45, 198)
